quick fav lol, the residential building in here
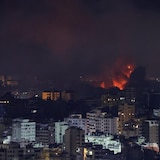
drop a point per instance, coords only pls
(73, 139)
(77, 121)
(126, 112)
(151, 131)
(91, 120)
(106, 140)
(23, 131)
(13, 151)
(107, 124)
(101, 122)
(60, 128)
(45, 134)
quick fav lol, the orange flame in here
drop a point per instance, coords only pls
(120, 84)
(121, 77)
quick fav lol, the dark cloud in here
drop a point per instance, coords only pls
(65, 39)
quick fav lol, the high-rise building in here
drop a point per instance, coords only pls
(150, 130)
(130, 95)
(107, 124)
(45, 134)
(91, 120)
(23, 131)
(73, 139)
(95, 121)
(77, 121)
(132, 128)
(101, 122)
(60, 128)
(126, 112)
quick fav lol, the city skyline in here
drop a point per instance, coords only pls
(65, 39)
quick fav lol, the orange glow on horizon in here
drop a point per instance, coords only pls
(102, 85)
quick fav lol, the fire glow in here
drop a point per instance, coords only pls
(122, 75)
(102, 85)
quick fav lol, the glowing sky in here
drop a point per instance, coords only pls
(67, 38)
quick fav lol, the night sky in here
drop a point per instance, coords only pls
(63, 39)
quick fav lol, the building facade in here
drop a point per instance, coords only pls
(106, 141)
(60, 128)
(125, 113)
(151, 131)
(107, 125)
(45, 134)
(23, 131)
(77, 121)
(101, 122)
(73, 139)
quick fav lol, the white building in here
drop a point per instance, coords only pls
(100, 121)
(77, 121)
(60, 128)
(91, 120)
(23, 131)
(107, 125)
(106, 141)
